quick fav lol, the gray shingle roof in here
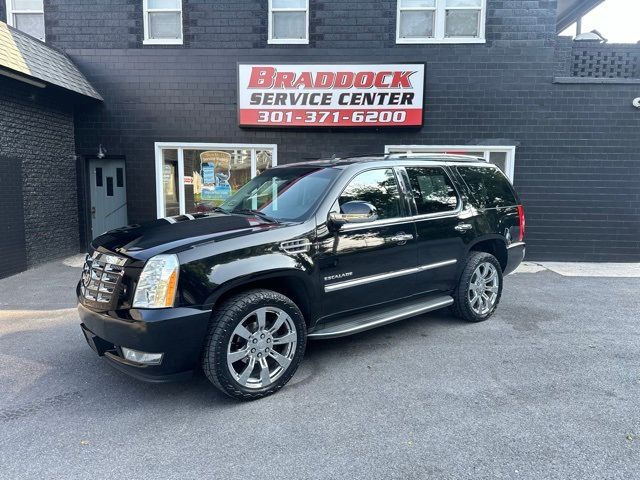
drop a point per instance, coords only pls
(28, 56)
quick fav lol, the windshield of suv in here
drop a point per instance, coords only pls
(287, 194)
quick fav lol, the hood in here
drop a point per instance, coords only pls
(174, 233)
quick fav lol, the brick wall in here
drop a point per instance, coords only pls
(577, 159)
(36, 129)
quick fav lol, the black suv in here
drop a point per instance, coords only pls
(311, 250)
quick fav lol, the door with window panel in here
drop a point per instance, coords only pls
(108, 193)
(439, 228)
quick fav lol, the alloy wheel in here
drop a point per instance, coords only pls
(261, 347)
(483, 288)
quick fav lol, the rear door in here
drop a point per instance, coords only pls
(440, 226)
(369, 263)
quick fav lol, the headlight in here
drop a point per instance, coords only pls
(158, 283)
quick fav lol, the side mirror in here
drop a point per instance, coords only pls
(355, 211)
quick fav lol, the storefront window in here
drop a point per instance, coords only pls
(210, 173)
(501, 156)
(171, 192)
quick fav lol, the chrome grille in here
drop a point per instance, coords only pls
(101, 276)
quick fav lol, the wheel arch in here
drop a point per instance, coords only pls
(291, 283)
(493, 244)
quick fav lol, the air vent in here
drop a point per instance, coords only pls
(301, 245)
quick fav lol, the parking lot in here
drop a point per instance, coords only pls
(548, 388)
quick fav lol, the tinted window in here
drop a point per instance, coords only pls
(119, 177)
(432, 190)
(488, 186)
(379, 188)
(98, 177)
(109, 186)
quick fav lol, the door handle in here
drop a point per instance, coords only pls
(401, 238)
(463, 227)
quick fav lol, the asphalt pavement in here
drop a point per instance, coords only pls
(548, 388)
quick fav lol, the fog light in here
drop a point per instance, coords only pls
(142, 357)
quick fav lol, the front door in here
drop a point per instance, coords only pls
(371, 263)
(108, 193)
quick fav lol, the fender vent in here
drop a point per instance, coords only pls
(301, 245)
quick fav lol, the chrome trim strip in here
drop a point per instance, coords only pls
(383, 321)
(515, 244)
(384, 276)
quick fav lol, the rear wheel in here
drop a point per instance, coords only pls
(255, 344)
(478, 292)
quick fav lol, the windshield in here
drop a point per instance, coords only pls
(287, 194)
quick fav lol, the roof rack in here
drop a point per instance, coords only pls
(436, 156)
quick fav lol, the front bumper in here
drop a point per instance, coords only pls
(178, 333)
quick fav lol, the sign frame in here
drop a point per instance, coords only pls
(329, 62)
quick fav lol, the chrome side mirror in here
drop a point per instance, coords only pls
(355, 211)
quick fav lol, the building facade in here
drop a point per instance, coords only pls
(552, 113)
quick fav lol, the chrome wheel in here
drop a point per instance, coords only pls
(261, 347)
(483, 288)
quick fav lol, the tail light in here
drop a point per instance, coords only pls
(521, 222)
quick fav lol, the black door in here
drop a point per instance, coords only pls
(371, 263)
(440, 226)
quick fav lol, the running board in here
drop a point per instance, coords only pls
(372, 319)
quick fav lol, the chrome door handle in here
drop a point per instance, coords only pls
(463, 227)
(401, 238)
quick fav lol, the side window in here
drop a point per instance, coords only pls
(379, 188)
(432, 190)
(488, 186)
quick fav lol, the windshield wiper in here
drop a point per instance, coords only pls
(219, 210)
(257, 213)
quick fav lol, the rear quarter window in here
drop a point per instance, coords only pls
(488, 186)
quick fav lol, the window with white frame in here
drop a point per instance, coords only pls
(501, 156)
(27, 16)
(162, 22)
(288, 21)
(197, 177)
(440, 21)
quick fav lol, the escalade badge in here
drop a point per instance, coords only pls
(337, 276)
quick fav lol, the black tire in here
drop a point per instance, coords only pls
(461, 307)
(225, 319)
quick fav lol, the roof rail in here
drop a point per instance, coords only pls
(436, 157)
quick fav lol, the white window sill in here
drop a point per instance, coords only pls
(164, 41)
(288, 41)
(414, 41)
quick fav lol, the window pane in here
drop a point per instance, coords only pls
(417, 3)
(289, 25)
(500, 160)
(27, 5)
(416, 24)
(464, 3)
(109, 186)
(212, 176)
(98, 177)
(488, 186)
(379, 188)
(289, 4)
(119, 177)
(169, 4)
(170, 183)
(31, 23)
(164, 25)
(462, 23)
(432, 190)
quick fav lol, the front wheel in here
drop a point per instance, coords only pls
(255, 344)
(478, 292)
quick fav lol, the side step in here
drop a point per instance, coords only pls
(385, 315)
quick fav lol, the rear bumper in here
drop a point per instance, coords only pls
(515, 255)
(178, 333)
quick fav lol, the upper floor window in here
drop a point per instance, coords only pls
(27, 15)
(441, 21)
(288, 21)
(162, 22)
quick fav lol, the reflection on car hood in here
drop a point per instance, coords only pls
(171, 233)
